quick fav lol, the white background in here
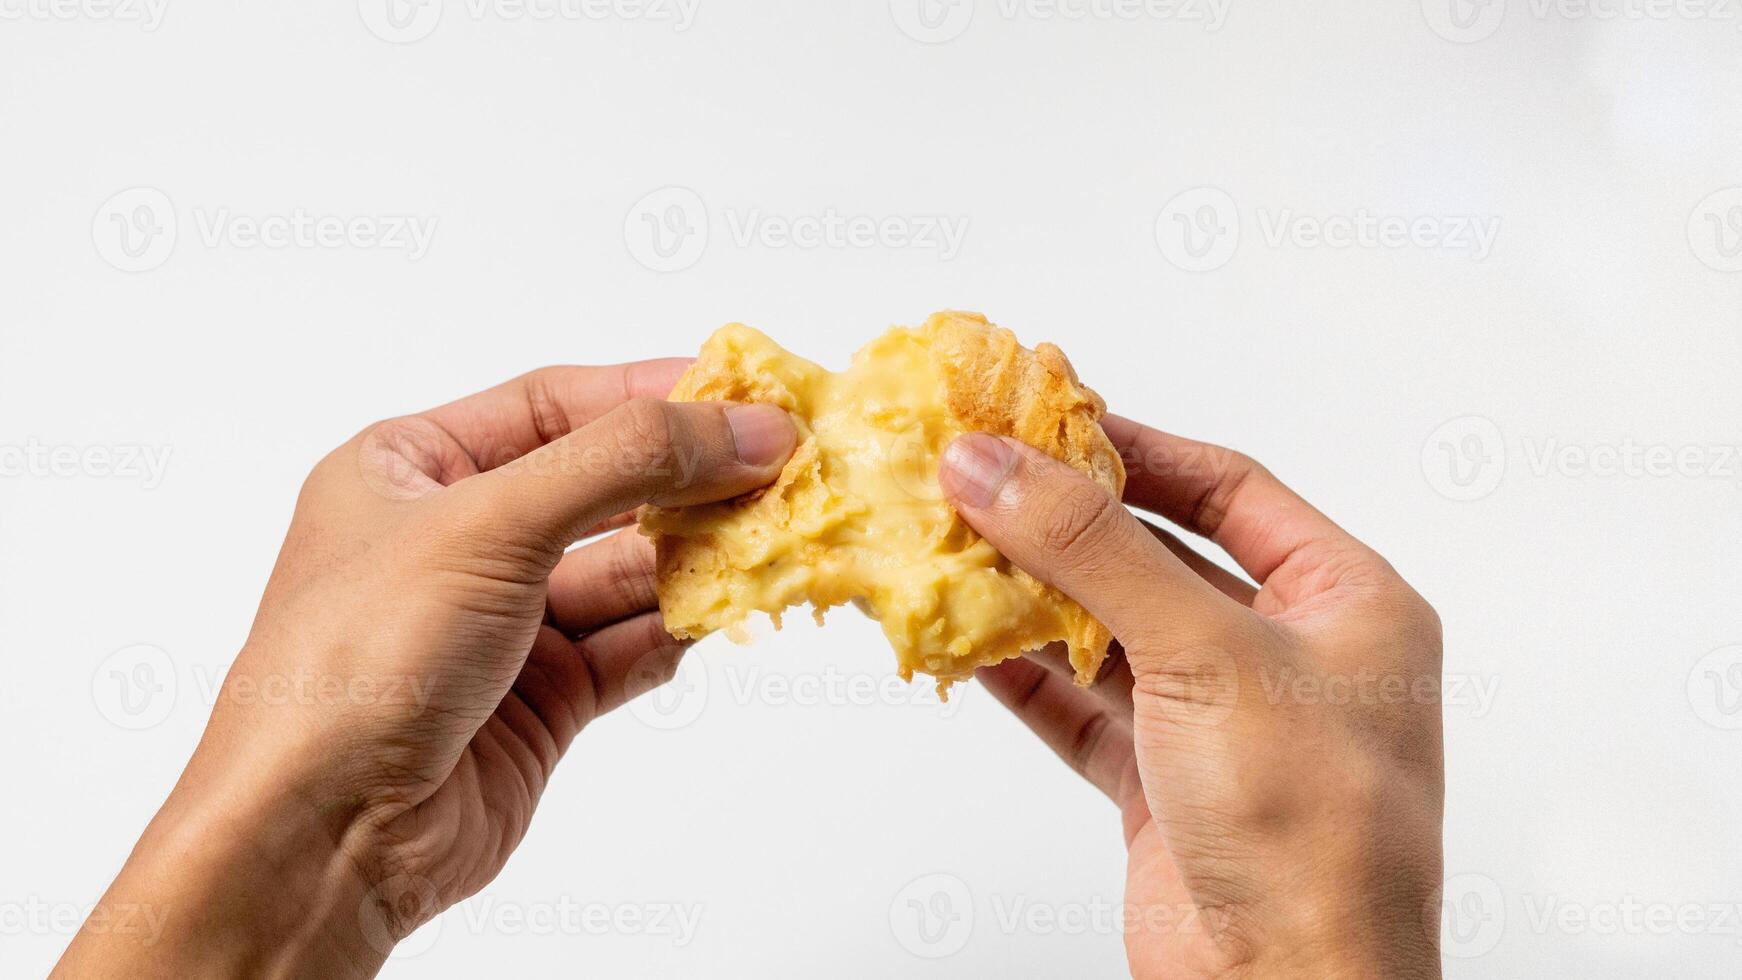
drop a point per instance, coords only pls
(1602, 772)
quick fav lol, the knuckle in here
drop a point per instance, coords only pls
(646, 433)
(1076, 522)
(550, 419)
(630, 572)
(1234, 471)
(1426, 617)
(1085, 741)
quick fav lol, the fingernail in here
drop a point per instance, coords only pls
(974, 467)
(762, 434)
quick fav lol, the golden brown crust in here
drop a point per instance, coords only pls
(996, 385)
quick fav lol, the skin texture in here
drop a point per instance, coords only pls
(424, 654)
(1275, 752)
(427, 648)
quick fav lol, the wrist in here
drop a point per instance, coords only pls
(1386, 943)
(237, 879)
(1346, 965)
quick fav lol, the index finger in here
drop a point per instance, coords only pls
(504, 423)
(1222, 495)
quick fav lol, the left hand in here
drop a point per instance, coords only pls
(424, 653)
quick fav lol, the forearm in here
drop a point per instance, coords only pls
(231, 881)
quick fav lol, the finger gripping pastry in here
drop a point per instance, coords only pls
(856, 515)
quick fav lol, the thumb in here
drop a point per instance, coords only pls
(1067, 531)
(643, 451)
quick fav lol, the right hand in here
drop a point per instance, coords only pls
(1275, 751)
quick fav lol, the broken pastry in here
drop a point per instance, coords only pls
(856, 515)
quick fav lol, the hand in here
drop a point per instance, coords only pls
(1275, 752)
(424, 653)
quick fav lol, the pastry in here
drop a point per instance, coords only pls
(856, 515)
